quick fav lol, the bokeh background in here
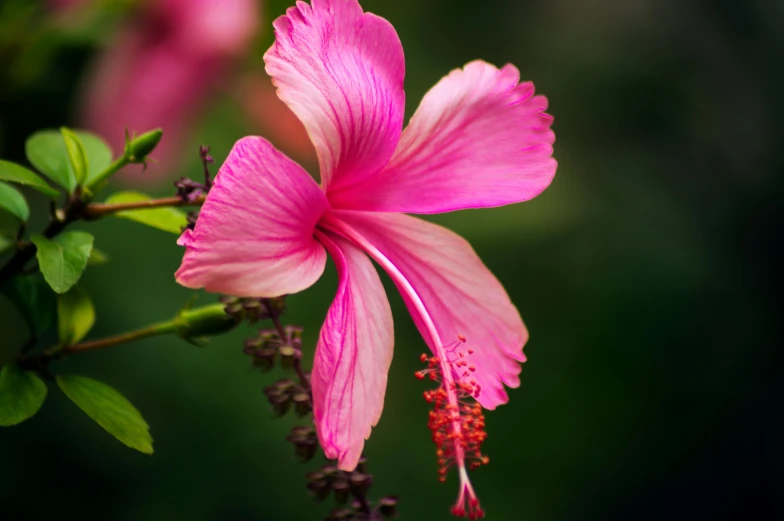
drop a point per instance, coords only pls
(648, 273)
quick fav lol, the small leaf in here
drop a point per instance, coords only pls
(19, 174)
(75, 316)
(12, 200)
(76, 155)
(109, 409)
(47, 152)
(63, 259)
(166, 219)
(34, 300)
(98, 153)
(97, 258)
(21, 395)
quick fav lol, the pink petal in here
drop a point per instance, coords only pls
(341, 71)
(461, 295)
(254, 235)
(478, 139)
(352, 357)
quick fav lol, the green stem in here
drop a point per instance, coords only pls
(189, 323)
(110, 170)
(162, 328)
(98, 210)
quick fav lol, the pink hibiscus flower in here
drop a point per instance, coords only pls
(161, 70)
(479, 139)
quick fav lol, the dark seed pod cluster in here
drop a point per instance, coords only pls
(281, 346)
(350, 489)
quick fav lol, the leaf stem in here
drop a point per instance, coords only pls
(161, 328)
(98, 210)
(110, 170)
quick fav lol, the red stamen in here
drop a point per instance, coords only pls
(458, 427)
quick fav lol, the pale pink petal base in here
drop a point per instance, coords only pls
(341, 71)
(479, 139)
(462, 297)
(353, 355)
(254, 236)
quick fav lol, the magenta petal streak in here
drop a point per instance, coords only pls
(353, 355)
(341, 71)
(478, 139)
(254, 236)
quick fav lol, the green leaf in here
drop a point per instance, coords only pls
(166, 219)
(6, 243)
(75, 149)
(97, 258)
(12, 200)
(109, 409)
(21, 395)
(46, 150)
(19, 174)
(34, 300)
(63, 259)
(98, 153)
(75, 316)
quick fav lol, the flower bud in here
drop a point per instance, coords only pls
(287, 356)
(252, 345)
(341, 490)
(330, 472)
(254, 310)
(138, 148)
(280, 403)
(294, 334)
(318, 485)
(235, 309)
(204, 322)
(264, 358)
(360, 483)
(302, 405)
(304, 441)
(388, 506)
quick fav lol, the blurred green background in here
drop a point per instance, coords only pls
(648, 275)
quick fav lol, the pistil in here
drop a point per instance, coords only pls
(447, 397)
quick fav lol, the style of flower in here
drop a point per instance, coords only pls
(160, 70)
(479, 139)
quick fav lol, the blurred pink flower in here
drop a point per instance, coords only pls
(160, 70)
(274, 118)
(479, 139)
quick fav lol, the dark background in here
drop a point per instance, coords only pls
(648, 275)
